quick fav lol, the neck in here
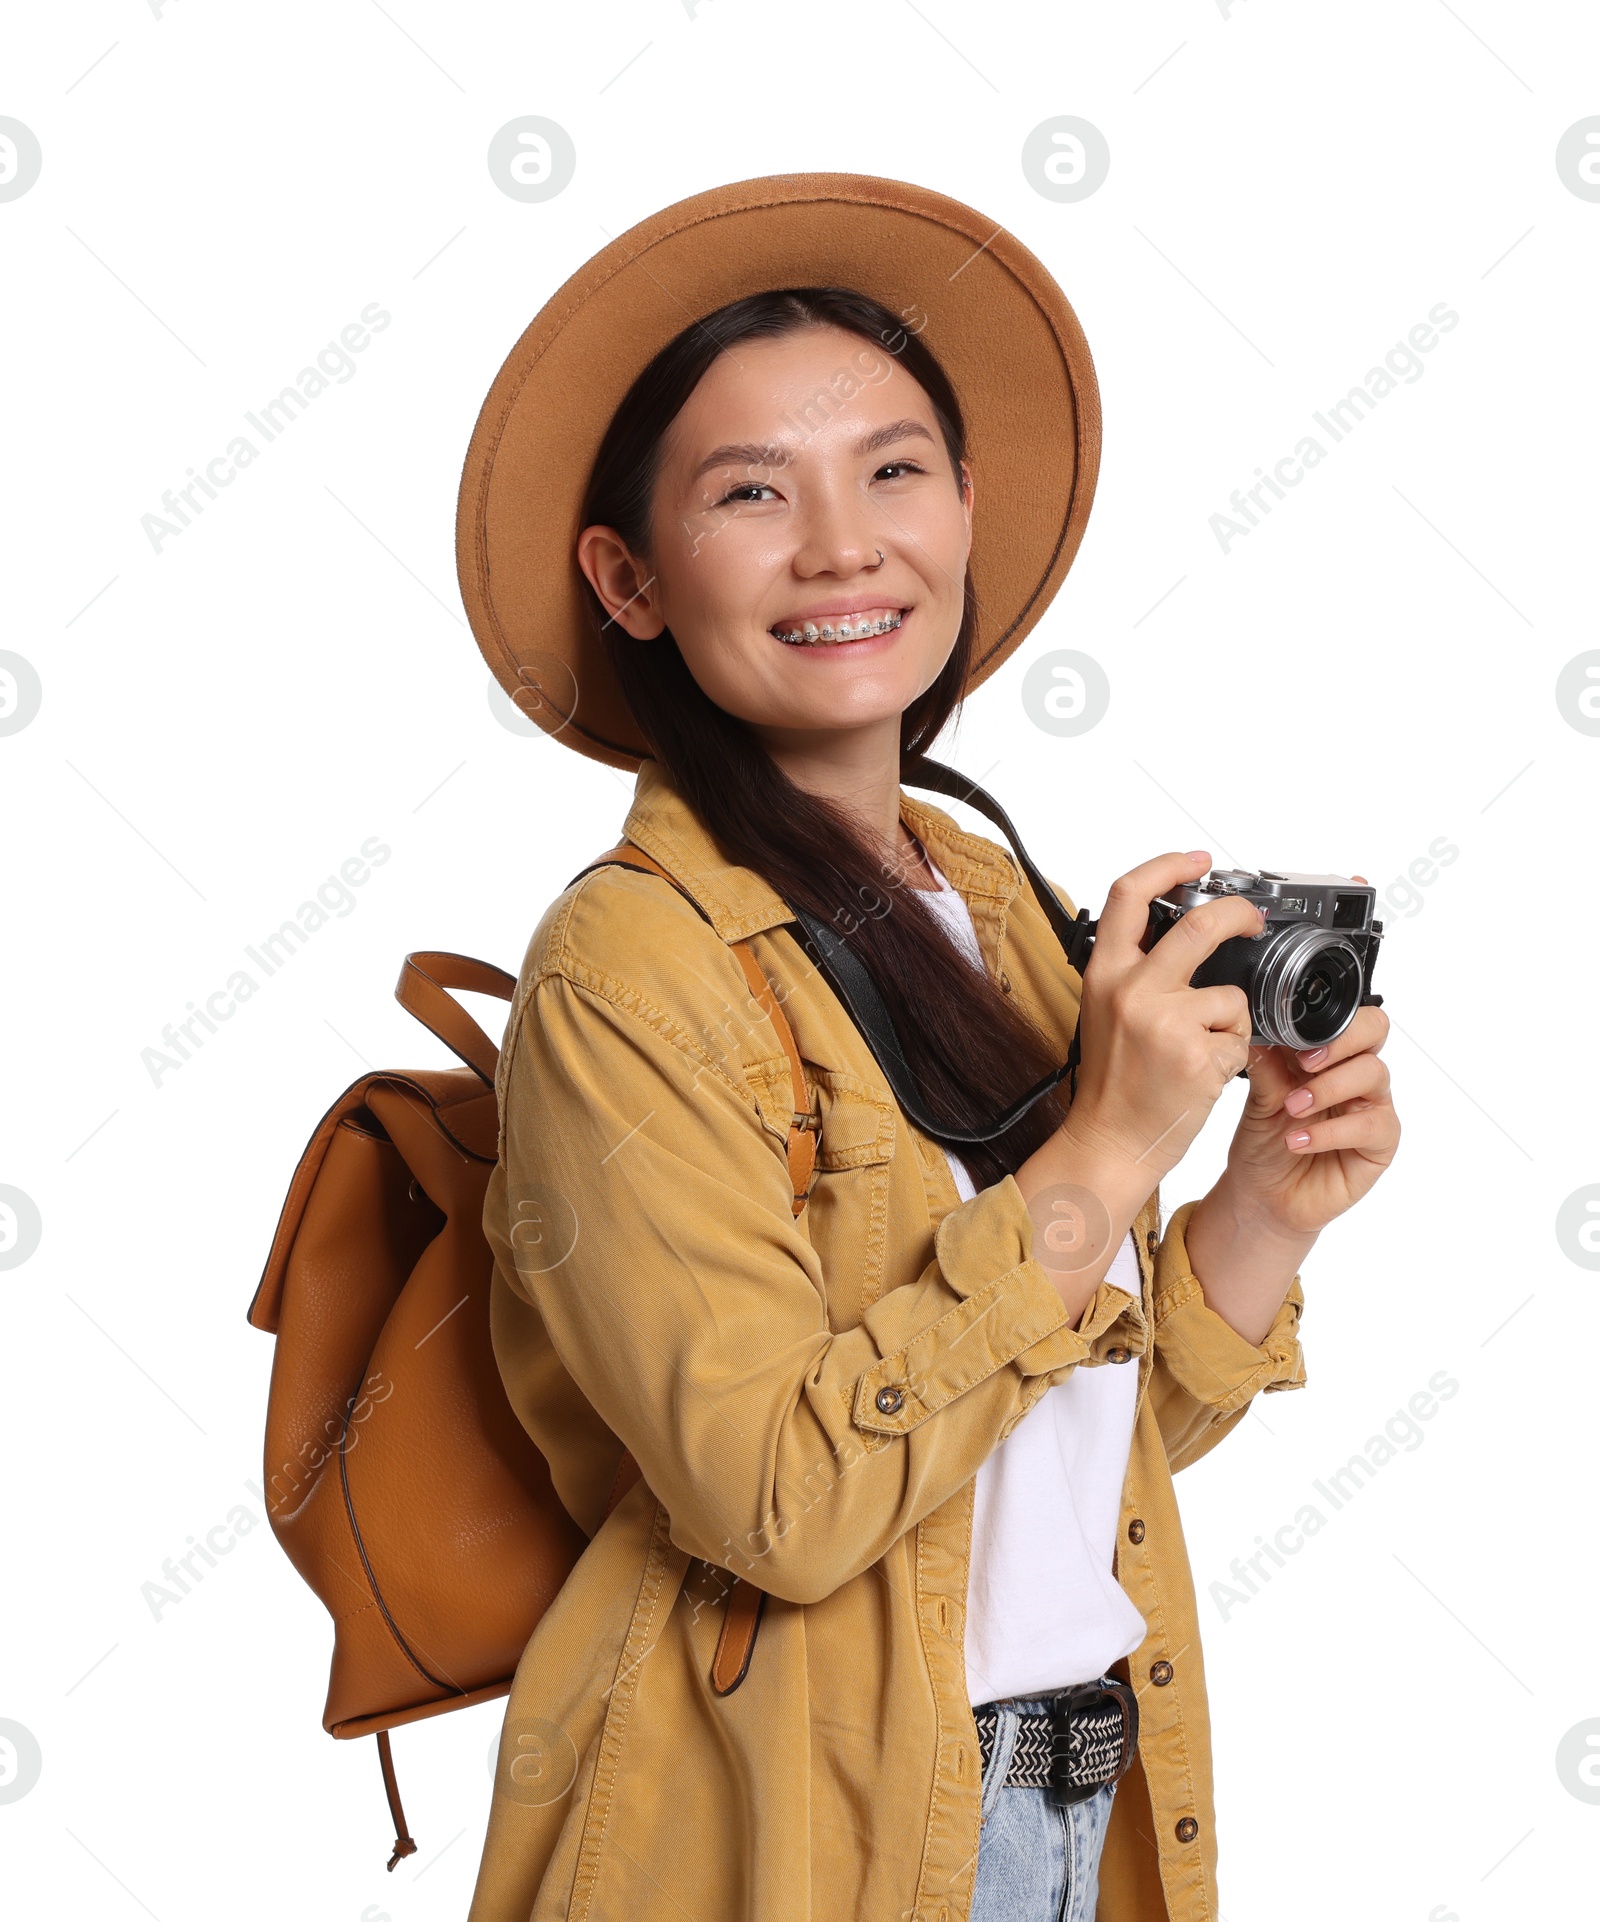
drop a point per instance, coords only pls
(858, 770)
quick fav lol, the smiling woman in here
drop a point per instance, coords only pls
(886, 1610)
(744, 507)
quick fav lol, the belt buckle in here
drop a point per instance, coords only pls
(1066, 1786)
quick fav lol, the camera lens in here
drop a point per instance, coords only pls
(1307, 988)
(1317, 1003)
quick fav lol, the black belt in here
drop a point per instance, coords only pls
(1073, 1743)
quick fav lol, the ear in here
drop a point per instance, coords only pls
(626, 586)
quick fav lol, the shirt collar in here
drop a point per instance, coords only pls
(739, 903)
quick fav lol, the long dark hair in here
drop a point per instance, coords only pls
(970, 1047)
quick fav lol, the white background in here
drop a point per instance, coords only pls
(226, 720)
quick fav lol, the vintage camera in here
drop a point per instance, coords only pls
(1309, 968)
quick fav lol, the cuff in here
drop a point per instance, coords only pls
(1008, 1310)
(1114, 1326)
(1206, 1357)
(1112, 1330)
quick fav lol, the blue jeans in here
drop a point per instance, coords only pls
(1036, 1862)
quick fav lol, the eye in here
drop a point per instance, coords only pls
(744, 492)
(906, 466)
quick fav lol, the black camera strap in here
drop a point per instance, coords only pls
(847, 975)
(1072, 932)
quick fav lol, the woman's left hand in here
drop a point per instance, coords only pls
(1298, 1167)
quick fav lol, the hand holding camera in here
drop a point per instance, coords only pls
(1155, 1051)
(1186, 982)
(1270, 971)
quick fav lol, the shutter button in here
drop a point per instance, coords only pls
(889, 1399)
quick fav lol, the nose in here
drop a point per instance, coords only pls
(836, 537)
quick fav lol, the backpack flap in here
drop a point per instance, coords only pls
(458, 1100)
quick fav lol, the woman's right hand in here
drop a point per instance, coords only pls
(1155, 1053)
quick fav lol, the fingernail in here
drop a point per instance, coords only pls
(1310, 1060)
(1298, 1139)
(1299, 1101)
(1196, 854)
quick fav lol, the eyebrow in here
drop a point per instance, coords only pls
(753, 454)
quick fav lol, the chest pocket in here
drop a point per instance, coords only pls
(847, 1215)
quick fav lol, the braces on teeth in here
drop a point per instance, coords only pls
(813, 632)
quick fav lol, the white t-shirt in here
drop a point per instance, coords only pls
(1044, 1609)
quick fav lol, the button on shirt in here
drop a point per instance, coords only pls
(1044, 1609)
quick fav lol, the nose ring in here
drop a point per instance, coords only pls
(880, 561)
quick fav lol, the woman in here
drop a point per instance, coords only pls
(898, 1431)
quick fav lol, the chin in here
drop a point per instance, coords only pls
(851, 707)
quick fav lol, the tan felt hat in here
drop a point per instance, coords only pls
(987, 307)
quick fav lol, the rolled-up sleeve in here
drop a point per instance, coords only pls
(688, 1305)
(1204, 1373)
(917, 1377)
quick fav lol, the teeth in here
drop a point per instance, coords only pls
(813, 633)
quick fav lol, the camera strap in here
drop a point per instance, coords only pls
(847, 975)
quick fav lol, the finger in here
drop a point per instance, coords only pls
(1374, 1131)
(1195, 936)
(1362, 879)
(1126, 916)
(1224, 1010)
(1365, 1075)
(1229, 1053)
(1367, 1032)
(1273, 1072)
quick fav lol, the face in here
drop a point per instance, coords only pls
(793, 462)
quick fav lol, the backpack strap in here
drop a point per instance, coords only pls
(422, 990)
(805, 1122)
(736, 1643)
(403, 1844)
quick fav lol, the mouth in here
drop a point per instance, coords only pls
(830, 630)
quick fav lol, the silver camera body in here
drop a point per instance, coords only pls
(1308, 970)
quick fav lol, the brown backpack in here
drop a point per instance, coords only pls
(398, 1478)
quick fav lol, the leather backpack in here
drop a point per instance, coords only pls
(398, 1479)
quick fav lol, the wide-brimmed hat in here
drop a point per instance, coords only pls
(987, 308)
